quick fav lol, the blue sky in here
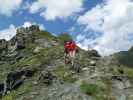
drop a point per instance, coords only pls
(98, 24)
(57, 26)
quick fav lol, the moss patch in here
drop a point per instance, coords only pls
(90, 89)
(97, 91)
(128, 71)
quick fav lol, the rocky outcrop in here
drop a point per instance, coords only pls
(1, 89)
(121, 82)
(31, 29)
(93, 53)
(3, 44)
(14, 80)
(23, 36)
(3, 47)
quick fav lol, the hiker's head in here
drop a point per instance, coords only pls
(72, 41)
(65, 41)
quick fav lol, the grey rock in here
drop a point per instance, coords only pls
(1, 89)
(14, 80)
(118, 85)
(93, 53)
(92, 63)
(19, 41)
(3, 47)
(46, 77)
(121, 97)
(127, 84)
(37, 49)
(3, 44)
(43, 43)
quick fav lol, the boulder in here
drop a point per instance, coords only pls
(127, 84)
(20, 43)
(118, 84)
(43, 43)
(121, 82)
(37, 49)
(15, 79)
(1, 89)
(55, 43)
(46, 77)
(93, 53)
(92, 63)
(3, 44)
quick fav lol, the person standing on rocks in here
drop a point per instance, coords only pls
(70, 51)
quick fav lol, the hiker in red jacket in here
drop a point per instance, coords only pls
(70, 50)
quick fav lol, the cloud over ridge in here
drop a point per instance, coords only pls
(114, 19)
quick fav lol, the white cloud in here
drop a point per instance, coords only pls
(41, 26)
(52, 9)
(7, 7)
(113, 18)
(8, 33)
(28, 24)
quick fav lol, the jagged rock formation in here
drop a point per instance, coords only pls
(91, 78)
(14, 80)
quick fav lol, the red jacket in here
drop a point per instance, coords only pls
(70, 45)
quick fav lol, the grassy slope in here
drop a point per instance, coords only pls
(45, 57)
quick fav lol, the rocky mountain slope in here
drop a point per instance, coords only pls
(32, 68)
(126, 57)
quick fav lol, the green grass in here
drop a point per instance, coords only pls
(90, 89)
(64, 74)
(128, 71)
(29, 62)
(45, 34)
(4, 69)
(64, 37)
(99, 91)
(9, 96)
(44, 56)
(23, 90)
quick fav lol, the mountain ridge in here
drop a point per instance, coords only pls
(92, 78)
